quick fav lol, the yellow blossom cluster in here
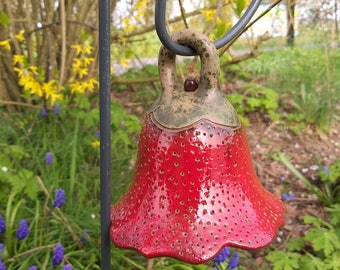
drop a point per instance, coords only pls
(6, 43)
(96, 143)
(32, 78)
(209, 14)
(129, 23)
(29, 78)
(80, 68)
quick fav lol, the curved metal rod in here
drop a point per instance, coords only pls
(187, 51)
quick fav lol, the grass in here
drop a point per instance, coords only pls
(306, 80)
(25, 138)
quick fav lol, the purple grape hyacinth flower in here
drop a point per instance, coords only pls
(58, 255)
(2, 249)
(222, 256)
(48, 158)
(23, 230)
(284, 196)
(326, 170)
(291, 196)
(56, 109)
(287, 196)
(43, 113)
(67, 267)
(2, 266)
(59, 198)
(83, 239)
(33, 267)
(233, 263)
(2, 224)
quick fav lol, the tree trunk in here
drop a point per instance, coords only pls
(9, 89)
(336, 18)
(290, 22)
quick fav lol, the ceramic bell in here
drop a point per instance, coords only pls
(194, 190)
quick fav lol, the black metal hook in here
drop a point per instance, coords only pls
(163, 35)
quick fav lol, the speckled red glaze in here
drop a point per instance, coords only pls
(194, 192)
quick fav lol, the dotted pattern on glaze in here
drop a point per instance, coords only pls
(193, 193)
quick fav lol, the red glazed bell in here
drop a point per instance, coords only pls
(194, 189)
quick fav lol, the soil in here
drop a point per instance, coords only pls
(305, 151)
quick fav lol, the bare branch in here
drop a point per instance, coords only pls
(63, 43)
(272, 5)
(183, 14)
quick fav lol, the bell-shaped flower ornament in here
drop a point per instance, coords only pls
(194, 189)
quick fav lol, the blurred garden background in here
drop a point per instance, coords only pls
(282, 75)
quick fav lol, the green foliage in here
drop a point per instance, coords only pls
(319, 248)
(21, 180)
(331, 174)
(324, 239)
(308, 79)
(310, 262)
(283, 260)
(123, 126)
(329, 192)
(28, 183)
(295, 244)
(4, 20)
(221, 29)
(255, 98)
(240, 6)
(313, 106)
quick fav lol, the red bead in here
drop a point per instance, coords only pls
(190, 85)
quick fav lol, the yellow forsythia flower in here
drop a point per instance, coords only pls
(209, 14)
(77, 87)
(82, 72)
(96, 143)
(50, 91)
(18, 59)
(34, 70)
(19, 71)
(87, 61)
(20, 36)
(128, 25)
(31, 84)
(5, 43)
(124, 63)
(77, 47)
(93, 82)
(87, 49)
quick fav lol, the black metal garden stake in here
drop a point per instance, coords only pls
(105, 123)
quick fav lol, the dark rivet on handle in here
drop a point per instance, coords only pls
(190, 85)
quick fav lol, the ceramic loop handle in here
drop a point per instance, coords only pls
(210, 64)
(177, 108)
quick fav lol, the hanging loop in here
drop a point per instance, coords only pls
(188, 51)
